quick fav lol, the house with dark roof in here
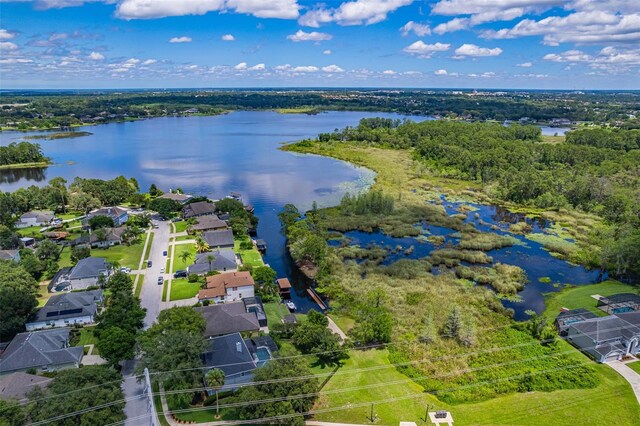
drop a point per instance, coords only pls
(228, 287)
(16, 386)
(85, 274)
(119, 215)
(208, 223)
(219, 239)
(13, 255)
(35, 218)
(223, 261)
(180, 198)
(237, 357)
(568, 317)
(44, 350)
(198, 208)
(619, 303)
(112, 237)
(607, 338)
(67, 309)
(254, 304)
(227, 318)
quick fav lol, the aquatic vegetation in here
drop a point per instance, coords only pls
(555, 245)
(407, 269)
(520, 228)
(374, 253)
(485, 241)
(452, 257)
(544, 279)
(505, 279)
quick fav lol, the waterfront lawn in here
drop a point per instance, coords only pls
(564, 407)
(128, 256)
(181, 288)
(250, 257)
(275, 312)
(580, 297)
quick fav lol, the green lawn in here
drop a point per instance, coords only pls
(580, 297)
(138, 289)
(181, 288)
(87, 338)
(344, 322)
(566, 407)
(180, 226)
(275, 312)
(635, 366)
(31, 231)
(249, 257)
(69, 215)
(177, 261)
(65, 257)
(124, 255)
(148, 251)
(43, 294)
(184, 238)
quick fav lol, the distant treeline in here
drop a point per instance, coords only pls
(20, 153)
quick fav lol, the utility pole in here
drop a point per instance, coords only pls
(151, 407)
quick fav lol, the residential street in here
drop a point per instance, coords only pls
(151, 294)
(131, 387)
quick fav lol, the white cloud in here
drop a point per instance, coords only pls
(609, 59)
(96, 56)
(441, 72)
(6, 35)
(284, 67)
(420, 30)
(312, 36)
(149, 62)
(183, 39)
(305, 68)
(241, 66)
(332, 68)
(146, 9)
(7, 45)
(228, 37)
(473, 50)
(525, 65)
(455, 24)
(357, 12)
(327, 52)
(389, 72)
(257, 67)
(423, 50)
(15, 61)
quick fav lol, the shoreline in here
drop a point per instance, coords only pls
(38, 165)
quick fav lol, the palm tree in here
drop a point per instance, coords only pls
(201, 245)
(215, 380)
(184, 256)
(210, 258)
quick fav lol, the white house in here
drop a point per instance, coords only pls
(67, 309)
(85, 274)
(228, 287)
(35, 218)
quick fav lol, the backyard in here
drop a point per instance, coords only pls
(251, 257)
(123, 255)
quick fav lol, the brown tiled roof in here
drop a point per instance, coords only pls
(210, 293)
(283, 283)
(230, 279)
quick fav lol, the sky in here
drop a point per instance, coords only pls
(510, 44)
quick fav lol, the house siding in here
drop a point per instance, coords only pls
(31, 326)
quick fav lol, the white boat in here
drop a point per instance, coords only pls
(291, 305)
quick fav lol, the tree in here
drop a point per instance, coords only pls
(105, 390)
(210, 259)
(154, 191)
(101, 221)
(83, 202)
(116, 344)
(122, 306)
(60, 185)
(31, 263)
(185, 256)
(12, 413)
(289, 215)
(201, 245)
(165, 207)
(265, 277)
(9, 240)
(79, 253)
(47, 250)
(215, 380)
(452, 326)
(18, 298)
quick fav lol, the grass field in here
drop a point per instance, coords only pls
(148, 251)
(344, 322)
(249, 257)
(43, 294)
(635, 366)
(580, 297)
(88, 338)
(180, 226)
(124, 255)
(275, 312)
(183, 289)
(566, 407)
(138, 289)
(177, 260)
(184, 238)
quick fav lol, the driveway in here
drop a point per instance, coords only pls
(630, 376)
(151, 294)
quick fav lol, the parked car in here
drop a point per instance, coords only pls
(162, 270)
(156, 226)
(180, 274)
(164, 253)
(125, 270)
(160, 280)
(149, 263)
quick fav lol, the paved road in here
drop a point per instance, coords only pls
(151, 294)
(630, 376)
(134, 408)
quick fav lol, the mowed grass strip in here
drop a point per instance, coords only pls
(181, 288)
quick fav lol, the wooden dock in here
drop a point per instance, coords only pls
(316, 298)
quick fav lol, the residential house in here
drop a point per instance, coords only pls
(254, 304)
(607, 338)
(219, 239)
(619, 303)
(284, 286)
(228, 318)
(112, 237)
(208, 223)
(180, 198)
(44, 350)
(16, 386)
(67, 309)
(568, 317)
(237, 357)
(86, 273)
(119, 215)
(199, 208)
(13, 255)
(30, 241)
(35, 218)
(228, 287)
(223, 261)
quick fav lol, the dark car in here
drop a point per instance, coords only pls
(180, 274)
(164, 253)
(160, 280)
(149, 263)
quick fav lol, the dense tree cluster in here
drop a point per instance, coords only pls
(18, 298)
(370, 202)
(22, 152)
(241, 221)
(313, 337)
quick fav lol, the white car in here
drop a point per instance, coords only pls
(162, 270)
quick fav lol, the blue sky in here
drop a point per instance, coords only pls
(539, 44)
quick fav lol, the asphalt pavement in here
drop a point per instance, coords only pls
(151, 294)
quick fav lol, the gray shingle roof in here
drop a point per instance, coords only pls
(90, 267)
(606, 328)
(225, 260)
(227, 318)
(199, 208)
(208, 222)
(17, 385)
(39, 349)
(69, 305)
(8, 254)
(222, 352)
(220, 238)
